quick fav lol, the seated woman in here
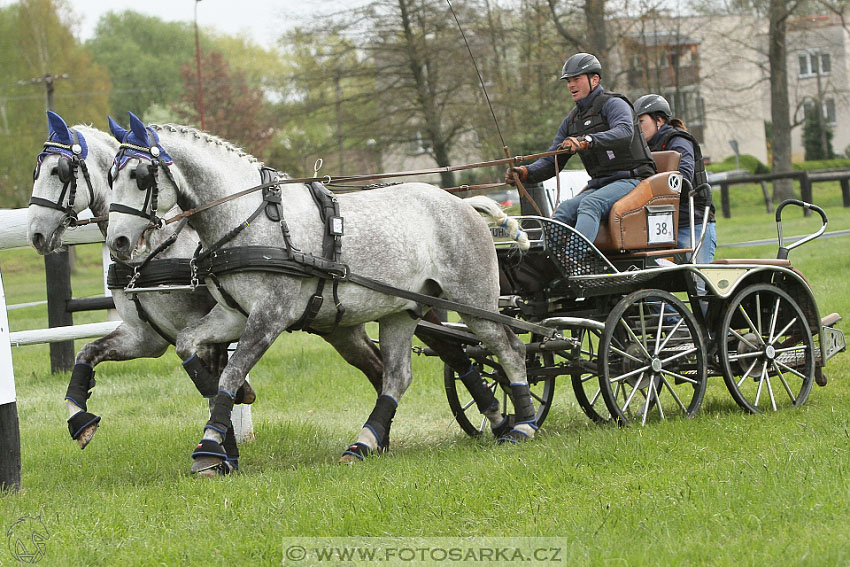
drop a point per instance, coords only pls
(663, 132)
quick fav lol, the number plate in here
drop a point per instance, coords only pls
(660, 228)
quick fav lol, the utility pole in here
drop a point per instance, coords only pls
(198, 70)
(57, 268)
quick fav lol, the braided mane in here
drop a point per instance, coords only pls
(208, 138)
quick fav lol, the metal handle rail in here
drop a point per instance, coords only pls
(782, 254)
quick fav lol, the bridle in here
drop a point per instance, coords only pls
(145, 175)
(71, 159)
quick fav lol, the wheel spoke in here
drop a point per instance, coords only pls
(629, 399)
(623, 353)
(654, 387)
(673, 392)
(741, 337)
(770, 390)
(747, 373)
(785, 384)
(643, 326)
(782, 332)
(660, 328)
(789, 369)
(670, 335)
(750, 322)
(467, 405)
(679, 354)
(629, 374)
(761, 383)
(745, 355)
(773, 318)
(679, 376)
(648, 399)
(635, 338)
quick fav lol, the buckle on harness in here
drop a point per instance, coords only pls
(313, 306)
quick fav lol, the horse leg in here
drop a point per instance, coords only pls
(395, 333)
(126, 342)
(262, 328)
(204, 367)
(452, 354)
(511, 352)
(357, 349)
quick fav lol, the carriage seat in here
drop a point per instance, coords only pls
(627, 226)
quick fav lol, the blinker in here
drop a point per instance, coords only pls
(64, 170)
(145, 178)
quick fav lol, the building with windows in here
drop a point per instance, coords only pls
(818, 78)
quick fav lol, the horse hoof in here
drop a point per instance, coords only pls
(514, 436)
(86, 435)
(211, 467)
(348, 459)
(245, 395)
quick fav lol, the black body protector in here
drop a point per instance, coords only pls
(632, 155)
(702, 198)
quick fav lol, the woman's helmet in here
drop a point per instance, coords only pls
(653, 104)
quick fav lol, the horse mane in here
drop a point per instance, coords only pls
(208, 138)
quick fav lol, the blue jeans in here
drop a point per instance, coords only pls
(587, 209)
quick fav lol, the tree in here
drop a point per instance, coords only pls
(143, 55)
(232, 108)
(817, 136)
(780, 110)
(39, 33)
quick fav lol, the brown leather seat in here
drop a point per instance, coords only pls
(627, 227)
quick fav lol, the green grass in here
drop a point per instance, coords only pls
(722, 489)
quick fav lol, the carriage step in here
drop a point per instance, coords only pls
(830, 320)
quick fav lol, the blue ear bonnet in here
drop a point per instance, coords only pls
(134, 147)
(61, 145)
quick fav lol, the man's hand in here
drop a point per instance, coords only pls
(521, 172)
(574, 145)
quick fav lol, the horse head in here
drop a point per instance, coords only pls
(69, 176)
(146, 179)
(147, 185)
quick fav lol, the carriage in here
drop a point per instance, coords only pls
(638, 340)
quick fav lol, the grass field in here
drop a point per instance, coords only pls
(722, 489)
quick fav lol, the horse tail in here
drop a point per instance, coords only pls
(492, 209)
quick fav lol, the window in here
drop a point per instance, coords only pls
(829, 110)
(811, 63)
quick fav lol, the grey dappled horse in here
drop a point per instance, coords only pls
(412, 236)
(71, 175)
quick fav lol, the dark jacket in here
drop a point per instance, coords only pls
(691, 166)
(619, 150)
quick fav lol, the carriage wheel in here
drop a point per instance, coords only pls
(585, 382)
(466, 412)
(768, 357)
(652, 359)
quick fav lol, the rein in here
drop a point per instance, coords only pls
(328, 180)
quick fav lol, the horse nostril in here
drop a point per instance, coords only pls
(38, 240)
(122, 244)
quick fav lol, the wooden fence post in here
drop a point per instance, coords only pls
(724, 200)
(845, 191)
(57, 268)
(806, 192)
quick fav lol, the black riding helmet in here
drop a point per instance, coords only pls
(653, 105)
(581, 64)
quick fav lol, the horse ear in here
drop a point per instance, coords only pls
(118, 132)
(58, 127)
(138, 129)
